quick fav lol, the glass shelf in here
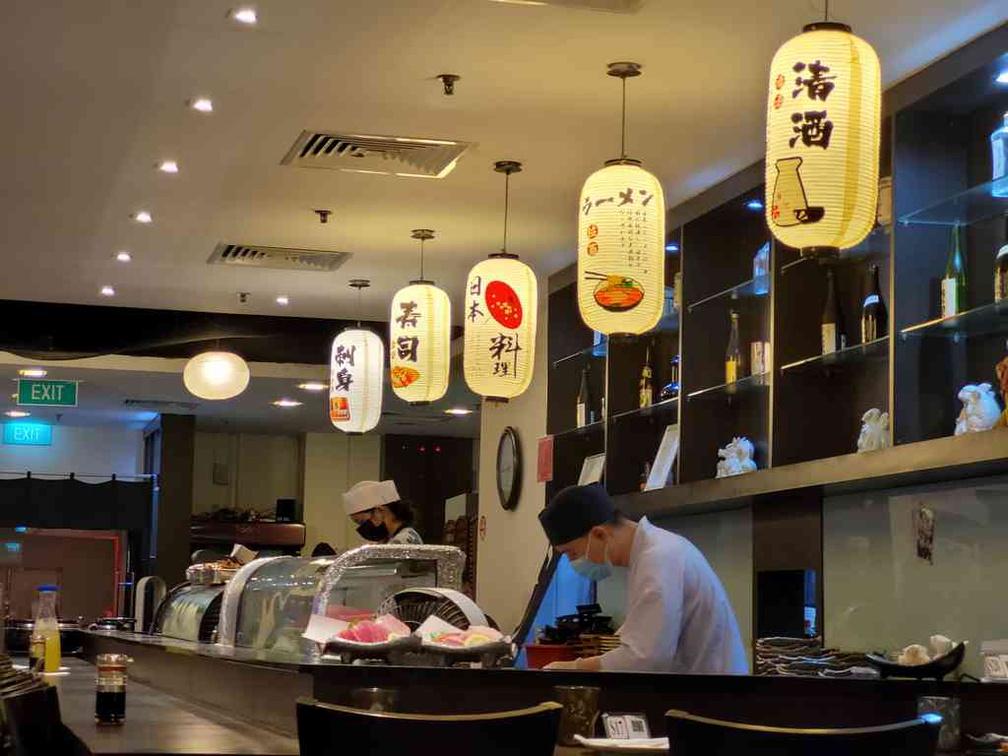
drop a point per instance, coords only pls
(584, 430)
(654, 409)
(741, 386)
(754, 287)
(971, 206)
(596, 350)
(874, 247)
(989, 320)
(872, 351)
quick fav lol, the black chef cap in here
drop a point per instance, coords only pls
(574, 511)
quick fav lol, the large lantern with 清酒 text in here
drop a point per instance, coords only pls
(822, 140)
(621, 249)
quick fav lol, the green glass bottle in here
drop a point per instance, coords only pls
(953, 284)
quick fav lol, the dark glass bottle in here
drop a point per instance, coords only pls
(953, 284)
(585, 405)
(874, 317)
(645, 385)
(1001, 269)
(671, 389)
(834, 330)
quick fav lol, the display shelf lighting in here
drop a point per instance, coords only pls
(621, 239)
(1002, 78)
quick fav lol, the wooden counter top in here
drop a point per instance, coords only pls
(158, 723)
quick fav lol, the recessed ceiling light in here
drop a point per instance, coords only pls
(168, 166)
(458, 411)
(313, 386)
(286, 403)
(107, 291)
(33, 373)
(202, 104)
(17, 413)
(244, 15)
(283, 300)
(123, 256)
(1002, 78)
(142, 216)
(754, 204)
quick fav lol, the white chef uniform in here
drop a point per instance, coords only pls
(678, 617)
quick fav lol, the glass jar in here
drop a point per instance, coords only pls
(110, 688)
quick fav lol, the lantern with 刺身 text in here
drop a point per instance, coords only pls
(621, 241)
(822, 140)
(420, 337)
(501, 301)
(356, 377)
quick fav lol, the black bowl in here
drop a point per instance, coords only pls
(936, 668)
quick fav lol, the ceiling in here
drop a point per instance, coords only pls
(96, 95)
(107, 383)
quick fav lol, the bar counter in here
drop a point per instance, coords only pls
(234, 681)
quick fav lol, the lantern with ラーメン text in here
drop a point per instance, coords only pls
(501, 300)
(420, 337)
(621, 241)
(822, 140)
(356, 377)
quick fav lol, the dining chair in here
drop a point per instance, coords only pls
(324, 728)
(690, 735)
(33, 723)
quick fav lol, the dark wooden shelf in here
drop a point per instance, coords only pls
(941, 459)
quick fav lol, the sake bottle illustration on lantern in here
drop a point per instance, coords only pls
(999, 160)
(645, 387)
(733, 354)
(790, 205)
(953, 283)
(834, 332)
(1001, 268)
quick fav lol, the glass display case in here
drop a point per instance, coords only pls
(267, 605)
(189, 612)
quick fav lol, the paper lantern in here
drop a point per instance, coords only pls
(356, 378)
(420, 342)
(500, 327)
(621, 249)
(822, 154)
(216, 375)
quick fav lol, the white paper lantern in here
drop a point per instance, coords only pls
(356, 379)
(216, 375)
(500, 327)
(621, 249)
(822, 154)
(420, 342)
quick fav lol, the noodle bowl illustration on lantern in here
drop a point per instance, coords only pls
(615, 293)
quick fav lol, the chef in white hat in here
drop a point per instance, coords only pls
(380, 515)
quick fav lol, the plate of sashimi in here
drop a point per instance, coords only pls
(375, 634)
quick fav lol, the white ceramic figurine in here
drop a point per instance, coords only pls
(736, 458)
(980, 409)
(874, 431)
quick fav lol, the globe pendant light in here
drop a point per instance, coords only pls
(216, 375)
(420, 337)
(501, 299)
(621, 241)
(822, 140)
(356, 376)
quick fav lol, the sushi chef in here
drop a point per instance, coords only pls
(379, 514)
(678, 617)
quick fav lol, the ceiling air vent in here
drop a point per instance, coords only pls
(389, 155)
(283, 258)
(160, 405)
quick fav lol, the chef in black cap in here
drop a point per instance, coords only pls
(678, 617)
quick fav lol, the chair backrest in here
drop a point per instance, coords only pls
(325, 729)
(691, 735)
(33, 721)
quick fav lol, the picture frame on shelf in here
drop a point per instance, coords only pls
(668, 450)
(592, 469)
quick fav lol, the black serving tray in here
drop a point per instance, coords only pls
(936, 668)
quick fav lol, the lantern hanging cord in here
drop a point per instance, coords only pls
(826, 13)
(349, 441)
(358, 306)
(507, 203)
(623, 124)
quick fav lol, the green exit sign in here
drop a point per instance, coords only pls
(34, 392)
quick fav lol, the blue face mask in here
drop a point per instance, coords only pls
(596, 571)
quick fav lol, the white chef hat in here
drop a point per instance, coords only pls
(369, 494)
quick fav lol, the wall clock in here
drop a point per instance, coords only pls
(509, 468)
